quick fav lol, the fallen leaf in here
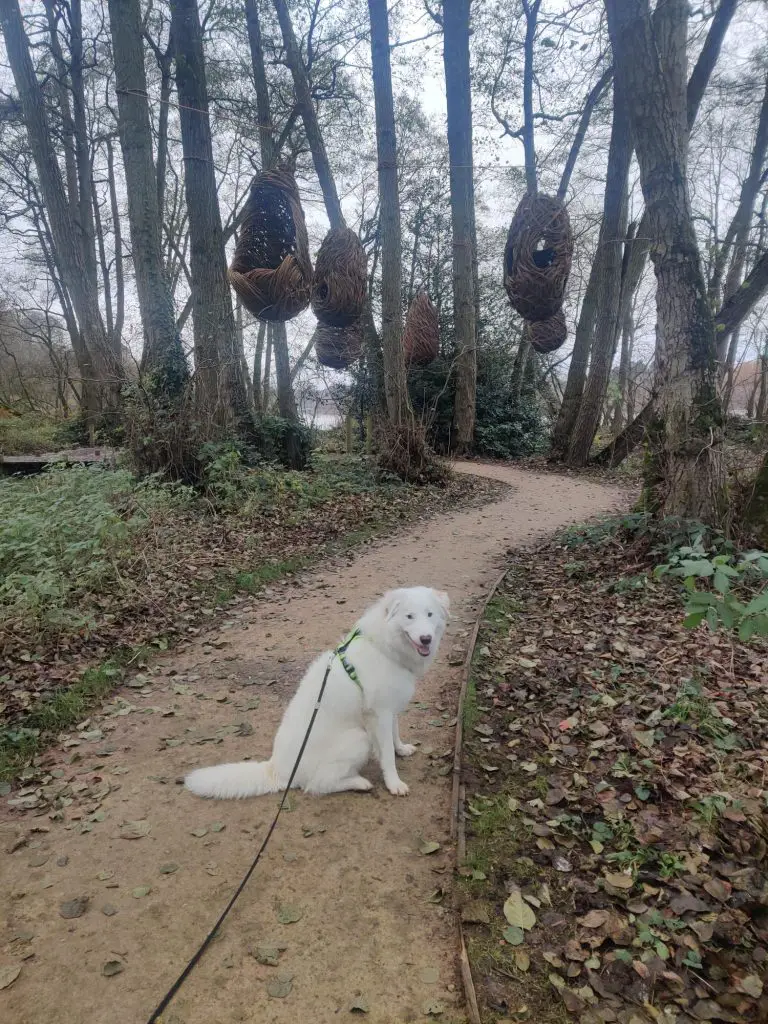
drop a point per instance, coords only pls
(476, 912)
(140, 891)
(267, 955)
(71, 909)
(168, 869)
(135, 829)
(518, 913)
(594, 919)
(751, 985)
(428, 847)
(288, 914)
(718, 889)
(280, 986)
(513, 935)
(112, 967)
(9, 974)
(108, 910)
(522, 960)
(619, 880)
(433, 1008)
(359, 1005)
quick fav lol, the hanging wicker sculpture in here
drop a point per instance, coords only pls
(271, 270)
(421, 340)
(339, 280)
(537, 257)
(548, 335)
(338, 347)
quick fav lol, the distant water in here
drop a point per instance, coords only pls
(326, 420)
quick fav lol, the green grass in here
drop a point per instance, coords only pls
(65, 708)
(32, 434)
(692, 707)
(470, 713)
(89, 556)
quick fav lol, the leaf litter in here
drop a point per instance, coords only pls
(622, 841)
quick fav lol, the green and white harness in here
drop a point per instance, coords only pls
(341, 651)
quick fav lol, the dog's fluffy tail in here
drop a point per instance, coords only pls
(234, 781)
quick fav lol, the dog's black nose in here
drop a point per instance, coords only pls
(426, 640)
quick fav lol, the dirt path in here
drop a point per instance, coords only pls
(375, 925)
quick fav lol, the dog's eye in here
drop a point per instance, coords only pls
(429, 615)
(409, 616)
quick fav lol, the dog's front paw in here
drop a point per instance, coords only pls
(397, 787)
(405, 750)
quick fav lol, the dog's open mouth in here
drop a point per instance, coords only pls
(423, 649)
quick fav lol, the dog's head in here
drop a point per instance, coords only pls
(417, 617)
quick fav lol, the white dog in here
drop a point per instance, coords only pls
(372, 678)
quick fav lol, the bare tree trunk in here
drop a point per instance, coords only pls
(592, 100)
(398, 402)
(522, 357)
(266, 128)
(165, 61)
(309, 116)
(267, 371)
(101, 373)
(258, 402)
(730, 369)
(118, 238)
(218, 363)
(82, 143)
(761, 413)
(689, 466)
(162, 356)
(737, 236)
(459, 103)
(740, 304)
(641, 245)
(286, 401)
(577, 371)
(611, 241)
(241, 349)
(625, 362)
(531, 11)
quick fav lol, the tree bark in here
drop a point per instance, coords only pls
(625, 363)
(614, 453)
(266, 387)
(577, 371)
(640, 245)
(592, 100)
(309, 115)
(261, 85)
(689, 471)
(82, 143)
(611, 241)
(162, 357)
(221, 393)
(740, 304)
(258, 400)
(395, 385)
(531, 11)
(286, 401)
(101, 372)
(736, 239)
(459, 104)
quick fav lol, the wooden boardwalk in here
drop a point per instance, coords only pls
(28, 464)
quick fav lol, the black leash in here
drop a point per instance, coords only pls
(212, 933)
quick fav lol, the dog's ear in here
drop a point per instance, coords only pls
(391, 604)
(444, 601)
